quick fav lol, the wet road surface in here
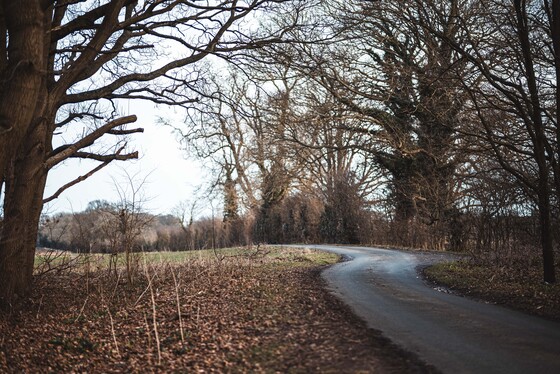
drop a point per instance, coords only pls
(455, 334)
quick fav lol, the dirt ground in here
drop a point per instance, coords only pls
(270, 314)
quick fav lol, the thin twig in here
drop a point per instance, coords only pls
(116, 285)
(178, 306)
(82, 310)
(154, 320)
(148, 331)
(154, 311)
(113, 331)
(40, 304)
(146, 290)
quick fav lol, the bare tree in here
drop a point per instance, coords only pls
(514, 47)
(403, 86)
(65, 64)
(53, 228)
(127, 223)
(240, 129)
(272, 131)
(187, 212)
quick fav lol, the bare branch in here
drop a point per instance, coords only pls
(125, 132)
(105, 158)
(63, 152)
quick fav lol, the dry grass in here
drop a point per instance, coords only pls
(241, 313)
(520, 288)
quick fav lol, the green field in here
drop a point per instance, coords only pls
(289, 257)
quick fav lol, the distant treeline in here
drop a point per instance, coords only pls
(106, 228)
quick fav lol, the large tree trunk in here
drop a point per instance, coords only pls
(22, 140)
(23, 67)
(405, 208)
(23, 203)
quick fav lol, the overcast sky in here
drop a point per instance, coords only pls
(171, 178)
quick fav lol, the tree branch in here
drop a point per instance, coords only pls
(125, 132)
(105, 158)
(63, 152)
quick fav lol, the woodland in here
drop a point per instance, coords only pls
(416, 124)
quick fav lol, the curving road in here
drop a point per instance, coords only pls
(454, 334)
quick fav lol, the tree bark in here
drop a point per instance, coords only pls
(23, 203)
(22, 143)
(49, 52)
(539, 144)
(22, 74)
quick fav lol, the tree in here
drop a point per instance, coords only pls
(516, 97)
(337, 167)
(186, 212)
(126, 222)
(272, 131)
(65, 65)
(239, 129)
(403, 86)
(344, 213)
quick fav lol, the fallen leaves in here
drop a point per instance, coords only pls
(270, 315)
(514, 286)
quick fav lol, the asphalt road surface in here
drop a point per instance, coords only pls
(455, 334)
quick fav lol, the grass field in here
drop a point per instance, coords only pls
(53, 260)
(233, 310)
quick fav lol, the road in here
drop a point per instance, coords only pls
(455, 334)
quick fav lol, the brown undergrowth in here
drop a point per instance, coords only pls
(516, 287)
(233, 314)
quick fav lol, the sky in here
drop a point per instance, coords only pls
(170, 177)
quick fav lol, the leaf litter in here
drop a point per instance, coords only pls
(238, 314)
